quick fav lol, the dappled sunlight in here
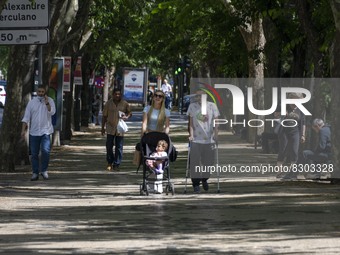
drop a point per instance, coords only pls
(83, 208)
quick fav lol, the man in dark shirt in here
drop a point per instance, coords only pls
(321, 154)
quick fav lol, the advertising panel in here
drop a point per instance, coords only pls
(55, 91)
(67, 74)
(78, 79)
(134, 85)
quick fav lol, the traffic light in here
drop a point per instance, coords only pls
(178, 69)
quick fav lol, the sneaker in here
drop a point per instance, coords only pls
(197, 189)
(109, 167)
(35, 177)
(116, 168)
(205, 185)
(44, 175)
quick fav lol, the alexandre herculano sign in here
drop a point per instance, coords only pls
(24, 22)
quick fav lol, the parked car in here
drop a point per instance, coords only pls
(2, 96)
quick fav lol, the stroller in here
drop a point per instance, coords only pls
(152, 181)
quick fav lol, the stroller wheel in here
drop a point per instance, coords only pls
(170, 188)
(143, 191)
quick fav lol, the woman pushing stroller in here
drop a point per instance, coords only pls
(154, 133)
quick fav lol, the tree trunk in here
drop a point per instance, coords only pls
(314, 44)
(20, 82)
(86, 95)
(20, 73)
(335, 72)
(255, 41)
(62, 15)
(65, 15)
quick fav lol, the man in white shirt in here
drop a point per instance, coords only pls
(203, 136)
(167, 89)
(38, 115)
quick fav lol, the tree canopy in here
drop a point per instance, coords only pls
(225, 38)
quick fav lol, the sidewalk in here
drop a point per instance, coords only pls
(84, 209)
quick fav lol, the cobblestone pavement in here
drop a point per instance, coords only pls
(83, 209)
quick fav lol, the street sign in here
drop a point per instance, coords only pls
(21, 14)
(11, 37)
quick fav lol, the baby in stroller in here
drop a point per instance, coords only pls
(156, 165)
(157, 151)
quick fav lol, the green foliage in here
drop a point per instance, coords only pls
(202, 30)
(158, 33)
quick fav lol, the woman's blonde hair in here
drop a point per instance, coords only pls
(161, 115)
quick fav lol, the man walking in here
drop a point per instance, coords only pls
(114, 109)
(38, 115)
(167, 89)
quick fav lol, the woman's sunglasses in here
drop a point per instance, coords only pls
(158, 95)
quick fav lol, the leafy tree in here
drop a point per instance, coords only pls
(223, 38)
(20, 80)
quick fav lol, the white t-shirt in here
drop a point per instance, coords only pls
(166, 88)
(152, 122)
(203, 124)
(159, 154)
(39, 118)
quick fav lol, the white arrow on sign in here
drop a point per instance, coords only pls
(11, 37)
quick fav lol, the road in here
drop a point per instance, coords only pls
(83, 209)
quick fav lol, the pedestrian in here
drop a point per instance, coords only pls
(38, 117)
(116, 108)
(95, 109)
(322, 152)
(155, 116)
(167, 89)
(290, 136)
(203, 137)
